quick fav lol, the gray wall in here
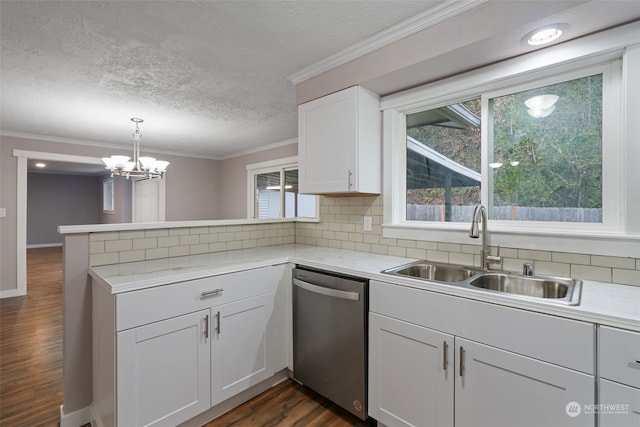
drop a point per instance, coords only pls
(191, 187)
(54, 200)
(232, 192)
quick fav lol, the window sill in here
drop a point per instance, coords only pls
(598, 243)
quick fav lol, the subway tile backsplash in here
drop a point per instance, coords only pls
(128, 246)
(340, 226)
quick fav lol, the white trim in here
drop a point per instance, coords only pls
(417, 23)
(21, 205)
(112, 146)
(62, 140)
(631, 135)
(11, 293)
(21, 226)
(277, 163)
(75, 419)
(57, 157)
(43, 245)
(260, 149)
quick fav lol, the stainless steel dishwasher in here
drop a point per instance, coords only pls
(330, 336)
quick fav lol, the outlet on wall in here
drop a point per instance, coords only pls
(367, 223)
(3, 212)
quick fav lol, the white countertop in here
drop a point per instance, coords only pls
(602, 303)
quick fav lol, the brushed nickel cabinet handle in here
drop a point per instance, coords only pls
(349, 174)
(206, 327)
(461, 361)
(205, 294)
(219, 319)
(445, 362)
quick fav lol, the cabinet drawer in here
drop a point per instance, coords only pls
(620, 355)
(145, 306)
(536, 335)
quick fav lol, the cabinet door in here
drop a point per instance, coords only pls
(499, 388)
(410, 374)
(239, 343)
(163, 371)
(327, 142)
(619, 405)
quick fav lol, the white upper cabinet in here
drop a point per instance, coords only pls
(339, 138)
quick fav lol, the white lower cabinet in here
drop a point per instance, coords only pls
(165, 354)
(500, 388)
(410, 374)
(619, 405)
(239, 346)
(438, 360)
(164, 371)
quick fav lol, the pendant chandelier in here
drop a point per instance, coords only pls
(142, 167)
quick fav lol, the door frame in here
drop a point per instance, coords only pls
(21, 209)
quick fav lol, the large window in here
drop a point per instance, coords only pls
(550, 150)
(544, 155)
(267, 199)
(545, 152)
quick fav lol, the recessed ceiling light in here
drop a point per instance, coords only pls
(41, 165)
(545, 35)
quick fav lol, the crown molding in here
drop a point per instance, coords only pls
(261, 148)
(419, 22)
(63, 140)
(87, 143)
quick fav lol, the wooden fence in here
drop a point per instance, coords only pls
(513, 213)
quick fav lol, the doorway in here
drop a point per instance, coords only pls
(23, 156)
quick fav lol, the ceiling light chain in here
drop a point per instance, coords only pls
(143, 167)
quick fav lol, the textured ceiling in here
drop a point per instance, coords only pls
(208, 77)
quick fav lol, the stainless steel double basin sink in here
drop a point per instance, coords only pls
(559, 290)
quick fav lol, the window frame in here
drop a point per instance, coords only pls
(278, 165)
(619, 235)
(108, 196)
(611, 150)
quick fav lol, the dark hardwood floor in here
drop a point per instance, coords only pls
(31, 345)
(288, 404)
(31, 365)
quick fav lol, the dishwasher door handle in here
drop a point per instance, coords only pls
(336, 293)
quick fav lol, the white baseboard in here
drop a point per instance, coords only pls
(43, 245)
(10, 293)
(77, 418)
